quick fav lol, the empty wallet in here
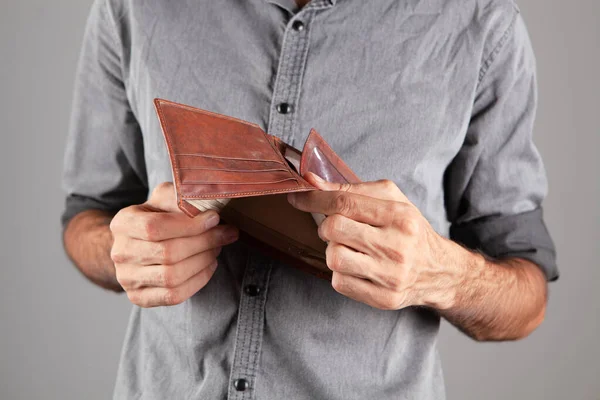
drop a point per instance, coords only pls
(233, 166)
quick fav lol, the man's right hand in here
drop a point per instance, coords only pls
(162, 257)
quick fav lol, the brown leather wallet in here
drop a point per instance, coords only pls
(239, 169)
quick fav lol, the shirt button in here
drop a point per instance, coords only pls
(298, 26)
(252, 290)
(240, 385)
(284, 108)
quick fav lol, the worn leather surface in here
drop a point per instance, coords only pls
(215, 156)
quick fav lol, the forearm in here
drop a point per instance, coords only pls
(88, 241)
(496, 300)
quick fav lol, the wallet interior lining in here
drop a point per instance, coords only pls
(282, 222)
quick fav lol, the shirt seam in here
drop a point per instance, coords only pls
(114, 36)
(489, 60)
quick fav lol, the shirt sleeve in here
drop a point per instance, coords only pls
(495, 185)
(104, 164)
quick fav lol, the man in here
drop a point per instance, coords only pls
(430, 102)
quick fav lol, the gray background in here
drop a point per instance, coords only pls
(60, 337)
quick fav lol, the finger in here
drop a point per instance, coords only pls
(346, 261)
(132, 276)
(141, 252)
(141, 223)
(365, 291)
(164, 198)
(355, 206)
(157, 296)
(382, 189)
(341, 229)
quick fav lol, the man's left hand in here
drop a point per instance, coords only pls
(381, 249)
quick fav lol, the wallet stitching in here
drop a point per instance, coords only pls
(293, 190)
(169, 145)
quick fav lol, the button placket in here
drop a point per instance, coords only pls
(284, 106)
(292, 60)
(250, 327)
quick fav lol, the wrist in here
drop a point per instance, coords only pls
(456, 266)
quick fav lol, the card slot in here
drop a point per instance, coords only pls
(208, 176)
(198, 162)
(236, 183)
(212, 156)
(243, 171)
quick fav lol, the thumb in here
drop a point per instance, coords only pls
(383, 189)
(164, 198)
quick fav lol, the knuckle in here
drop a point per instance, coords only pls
(135, 298)
(390, 302)
(345, 187)
(116, 223)
(172, 297)
(117, 255)
(151, 228)
(165, 253)
(334, 258)
(388, 211)
(337, 223)
(392, 281)
(121, 278)
(161, 188)
(338, 283)
(324, 229)
(394, 208)
(169, 278)
(343, 203)
(388, 184)
(409, 225)
(163, 277)
(330, 226)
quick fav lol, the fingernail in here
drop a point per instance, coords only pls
(291, 198)
(214, 265)
(212, 221)
(230, 235)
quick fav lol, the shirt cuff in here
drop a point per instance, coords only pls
(520, 235)
(74, 204)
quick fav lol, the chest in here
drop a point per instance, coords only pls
(390, 88)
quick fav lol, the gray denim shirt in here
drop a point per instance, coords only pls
(437, 95)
